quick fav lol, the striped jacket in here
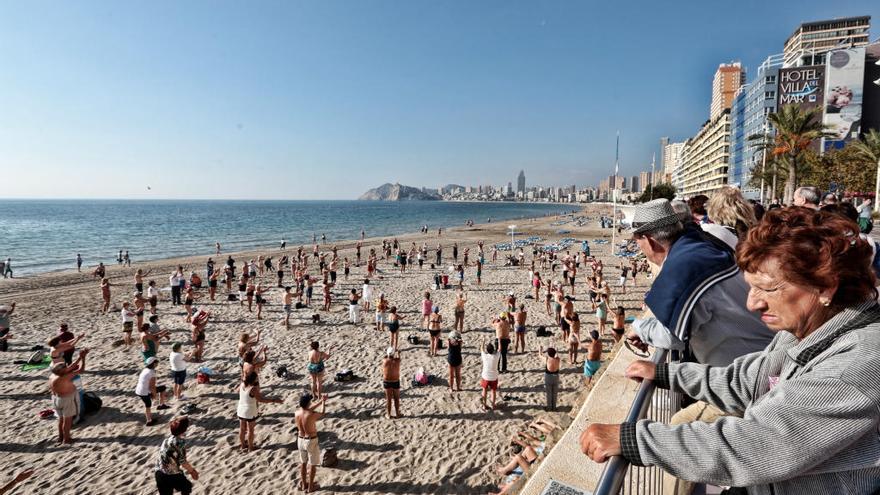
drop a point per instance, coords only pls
(809, 415)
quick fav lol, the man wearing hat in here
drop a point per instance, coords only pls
(5, 312)
(391, 381)
(697, 301)
(147, 390)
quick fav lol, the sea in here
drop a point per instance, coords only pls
(46, 235)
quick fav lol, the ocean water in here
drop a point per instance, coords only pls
(46, 235)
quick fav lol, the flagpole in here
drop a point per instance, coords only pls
(614, 194)
(653, 179)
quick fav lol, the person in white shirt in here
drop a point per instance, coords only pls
(366, 294)
(147, 390)
(177, 360)
(489, 375)
(153, 296)
(174, 281)
(128, 317)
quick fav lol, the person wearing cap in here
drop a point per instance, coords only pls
(698, 300)
(391, 381)
(147, 390)
(65, 396)
(5, 313)
(453, 359)
(306, 420)
(502, 339)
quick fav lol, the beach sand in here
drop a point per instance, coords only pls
(444, 444)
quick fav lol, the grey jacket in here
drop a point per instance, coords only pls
(810, 415)
(719, 328)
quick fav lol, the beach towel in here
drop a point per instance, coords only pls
(47, 360)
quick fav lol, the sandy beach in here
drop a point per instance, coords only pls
(446, 443)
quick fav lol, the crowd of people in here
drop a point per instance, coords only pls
(294, 275)
(772, 320)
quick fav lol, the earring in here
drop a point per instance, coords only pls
(825, 302)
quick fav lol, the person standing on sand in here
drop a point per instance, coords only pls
(381, 308)
(249, 398)
(5, 312)
(519, 319)
(435, 323)
(391, 381)
(427, 306)
(175, 288)
(65, 396)
(100, 271)
(217, 245)
(7, 269)
(171, 461)
(393, 325)
(306, 420)
(366, 294)
(105, 295)
(316, 367)
(79, 262)
(594, 356)
(489, 356)
(287, 305)
(453, 358)
(502, 339)
(147, 390)
(178, 360)
(212, 284)
(552, 362)
(460, 301)
(128, 317)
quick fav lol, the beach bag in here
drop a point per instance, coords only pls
(413, 339)
(91, 403)
(202, 377)
(37, 357)
(4, 345)
(329, 457)
(543, 332)
(281, 372)
(299, 305)
(232, 297)
(345, 376)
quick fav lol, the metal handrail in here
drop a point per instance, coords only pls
(612, 478)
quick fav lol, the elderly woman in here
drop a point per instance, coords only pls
(731, 214)
(804, 411)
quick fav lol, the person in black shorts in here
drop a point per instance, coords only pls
(391, 381)
(146, 389)
(453, 358)
(393, 325)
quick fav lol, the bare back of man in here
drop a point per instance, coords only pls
(391, 382)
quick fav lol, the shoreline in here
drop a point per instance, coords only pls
(210, 252)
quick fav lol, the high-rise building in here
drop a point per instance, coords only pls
(645, 178)
(521, 182)
(748, 120)
(811, 41)
(728, 78)
(705, 158)
(670, 166)
(664, 142)
(635, 185)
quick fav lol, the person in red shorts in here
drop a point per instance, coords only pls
(489, 376)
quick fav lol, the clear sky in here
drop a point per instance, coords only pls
(325, 99)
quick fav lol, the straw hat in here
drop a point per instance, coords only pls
(654, 215)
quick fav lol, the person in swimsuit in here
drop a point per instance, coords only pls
(258, 297)
(150, 341)
(619, 325)
(59, 349)
(574, 337)
(460, 271)
(346, 268)
(354, 307)
(249, 398)
(105, 294)
(548, 296)
(393, 325)
(427, 306)
(65, 396)
(128, 317)
(188, 300)
(306, 420)
(453, 358)
(434, 327)
(391, 381)
(594, 356)
(479, 265)
(460, 301)
(316, 367)
(153, 296)
(249, 294)
(242, 287)
(199, 322)
(519, 319)
(381, 308)
(536, 284)
(552, 362)
(287, 305)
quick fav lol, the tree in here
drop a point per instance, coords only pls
(796, 130)
(845, 168)
(665, 190)
(868, 150)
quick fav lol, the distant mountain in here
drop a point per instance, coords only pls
(452, 187)
(397, 192)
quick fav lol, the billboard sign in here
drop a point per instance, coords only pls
(803, 86)
(844, 88)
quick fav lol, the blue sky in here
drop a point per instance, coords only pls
(325, 99)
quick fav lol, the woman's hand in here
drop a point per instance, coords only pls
(641, 370)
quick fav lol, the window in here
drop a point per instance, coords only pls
(769, 95)
(770, 80)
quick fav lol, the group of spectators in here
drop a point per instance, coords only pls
(773, 327)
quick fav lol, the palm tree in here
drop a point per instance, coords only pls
(796, 130)
(868, 148)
